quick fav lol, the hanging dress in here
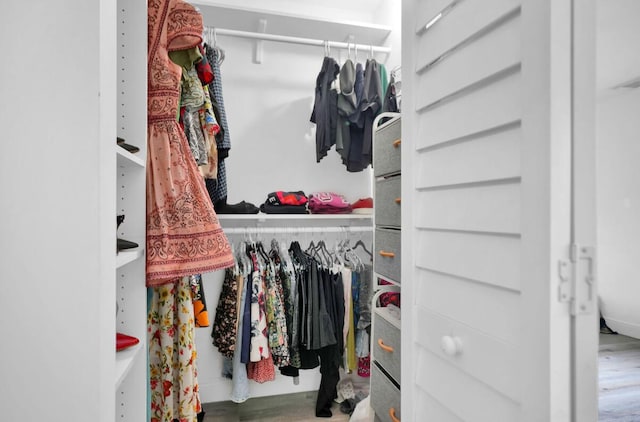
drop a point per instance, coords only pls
(184, 236)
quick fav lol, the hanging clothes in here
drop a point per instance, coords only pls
(370, 106)
(218, 191)
(200, 311)
(184, 236)
(172, 355)
(226, 319)
(347, 105)
(325, 108)
(297, 312)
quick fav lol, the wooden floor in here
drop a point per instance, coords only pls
(298, 407)
(619, 374)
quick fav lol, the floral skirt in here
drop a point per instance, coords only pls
(172, 354)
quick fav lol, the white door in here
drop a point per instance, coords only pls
(489, 127)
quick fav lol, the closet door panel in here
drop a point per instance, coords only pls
(482, 357)
(427, 405)
(491, 208)
(491, 156)
(449, 385)
(487, 308)
(447, 77)
(487, 258)
(466, 22)
(475, 111)
(429, 10)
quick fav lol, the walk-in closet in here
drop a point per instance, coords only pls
(466, 231)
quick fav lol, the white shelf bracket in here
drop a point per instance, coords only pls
(258, 53)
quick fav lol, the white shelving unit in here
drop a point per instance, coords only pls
(130, 378)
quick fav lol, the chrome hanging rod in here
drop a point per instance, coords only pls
(299, 40)
(295, 230)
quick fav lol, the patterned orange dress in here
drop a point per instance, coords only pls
(184, 236)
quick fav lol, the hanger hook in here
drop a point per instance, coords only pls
(215, 37)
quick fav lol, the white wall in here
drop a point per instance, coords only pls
(273, 142)
(618, 178)
(273, 145)
(57, 222)
(618, 173)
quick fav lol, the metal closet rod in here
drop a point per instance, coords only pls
(294, 230)
(299, 40)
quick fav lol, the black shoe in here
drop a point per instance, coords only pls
(122, 244)
(131, 148)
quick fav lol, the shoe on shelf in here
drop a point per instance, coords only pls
(122, 244)
(363, 206)
(124, 341)
(131, 148)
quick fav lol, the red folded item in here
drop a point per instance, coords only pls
(124, 341)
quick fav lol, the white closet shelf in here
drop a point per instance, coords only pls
(128, 160)
(294, 220)
(124, 362)
(266, 217)
(290, 24)
(125, 257)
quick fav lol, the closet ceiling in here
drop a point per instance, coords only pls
(618, 32)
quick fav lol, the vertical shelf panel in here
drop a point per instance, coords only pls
(131, 365)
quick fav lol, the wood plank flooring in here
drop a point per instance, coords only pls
(298, 407)
(619, 376)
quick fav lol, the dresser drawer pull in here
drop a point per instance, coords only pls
(397, 143)
(387, 254)
(392, 414)
(398, 200)
(384, 346)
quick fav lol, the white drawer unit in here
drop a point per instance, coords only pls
(386, 334)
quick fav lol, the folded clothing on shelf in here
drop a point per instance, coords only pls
(285, 202)
(328, 203)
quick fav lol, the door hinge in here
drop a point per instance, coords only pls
(577, 279)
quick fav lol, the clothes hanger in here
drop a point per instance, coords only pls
(219, 50)
(361, 243)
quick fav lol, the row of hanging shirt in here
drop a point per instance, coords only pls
(347, 100)
(294, 308)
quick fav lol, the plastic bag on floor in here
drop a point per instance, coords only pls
(363, 412)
